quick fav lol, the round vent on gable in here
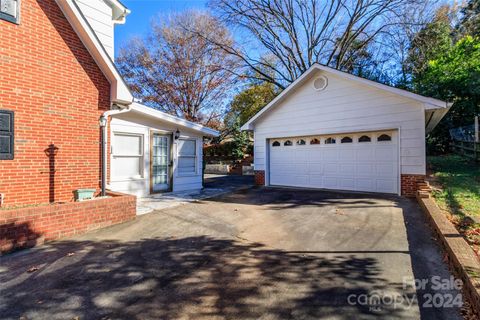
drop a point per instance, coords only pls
(320, 83)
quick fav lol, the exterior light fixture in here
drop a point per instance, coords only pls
(102, 121)
(177, 134)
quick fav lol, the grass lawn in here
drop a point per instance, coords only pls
(459, 192)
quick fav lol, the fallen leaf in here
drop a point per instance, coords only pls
(70, 254)
(445, 258)
(32, 269)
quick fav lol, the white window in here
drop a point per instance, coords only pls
(187, 157)
(127, 152)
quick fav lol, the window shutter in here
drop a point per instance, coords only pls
(6, 135)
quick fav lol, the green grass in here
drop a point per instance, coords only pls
(460, 181)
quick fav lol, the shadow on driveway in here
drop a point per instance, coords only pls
(209, 271)
(195, 277)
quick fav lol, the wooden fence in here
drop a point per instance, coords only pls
(469, 149)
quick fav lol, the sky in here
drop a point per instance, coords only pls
(143, 11)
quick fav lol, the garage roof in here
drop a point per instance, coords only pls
(182, 123)
(432, 106)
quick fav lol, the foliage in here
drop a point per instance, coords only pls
(249, 101)
(430, 42)
(445, 63)
(460, 191)
(456, 73)
(175, 71)
(241, 141)
(454, 76)
(460, 179)
(470, 21)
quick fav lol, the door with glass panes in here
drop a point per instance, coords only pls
(160, 159)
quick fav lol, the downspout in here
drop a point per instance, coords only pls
(104, 126)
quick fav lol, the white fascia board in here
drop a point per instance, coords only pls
(159, 115)
(404, 93)
(429, 103)
(435, 115)
(119, 91)
(119, 11)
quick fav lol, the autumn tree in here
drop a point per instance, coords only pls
(176, 71)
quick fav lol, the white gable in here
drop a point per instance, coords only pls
(344, 106)
(102, 15)
(426, 102)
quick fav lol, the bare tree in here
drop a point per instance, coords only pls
(179, 72)
(294, 34)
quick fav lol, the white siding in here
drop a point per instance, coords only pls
(138, 124)
(99, 15)
(345, 106)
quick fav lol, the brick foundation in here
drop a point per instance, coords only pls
(30, 226)
(259, 177)
(409, 184)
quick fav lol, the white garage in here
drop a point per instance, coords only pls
(366, 161)
(333, 130)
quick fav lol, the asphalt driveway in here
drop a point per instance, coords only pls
(253, 254)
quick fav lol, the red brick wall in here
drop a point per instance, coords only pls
(409, 184)
(26, 227)
(259, 177)
(58, 93)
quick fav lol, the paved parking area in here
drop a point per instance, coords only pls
(254, 254)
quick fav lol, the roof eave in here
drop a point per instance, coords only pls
(174, 120)
(119, 91)
(429, 103)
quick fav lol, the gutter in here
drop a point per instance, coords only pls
(103, 127)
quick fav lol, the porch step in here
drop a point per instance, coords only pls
(424, 189)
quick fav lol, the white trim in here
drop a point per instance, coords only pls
(119, 11)
(119, 91)
(429, 103)
(156, 114)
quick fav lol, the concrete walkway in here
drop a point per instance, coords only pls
(215, 185)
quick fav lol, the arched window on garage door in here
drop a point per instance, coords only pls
(301, 142)
(330, 140)
(364, 139)
(384, 137)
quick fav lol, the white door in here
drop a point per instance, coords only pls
(358, 162)
(160, 151)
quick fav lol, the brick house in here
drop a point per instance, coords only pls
(61, 103)
(55, 83)
(57, 78)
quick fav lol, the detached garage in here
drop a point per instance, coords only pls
(333, 130)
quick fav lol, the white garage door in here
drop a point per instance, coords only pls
(358, 162)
